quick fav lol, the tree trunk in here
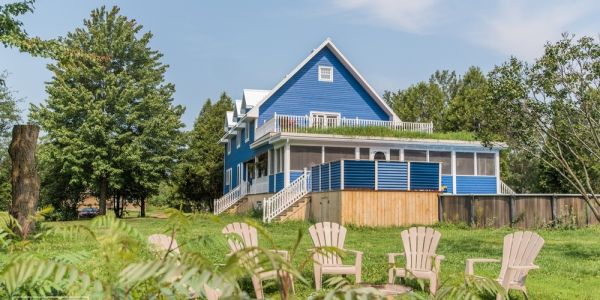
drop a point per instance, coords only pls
(103, 195)
(143, 208)
(24, 178)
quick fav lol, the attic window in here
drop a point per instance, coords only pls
(325, 73)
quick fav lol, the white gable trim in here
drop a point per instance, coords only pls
(328, 43)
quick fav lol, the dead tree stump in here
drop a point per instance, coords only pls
(24, 178)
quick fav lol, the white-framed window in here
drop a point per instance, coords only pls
(324, 119)
(247, 131)
(326, 73)
(228, 177)
(228, 146)
(238, 140)
(239, 174)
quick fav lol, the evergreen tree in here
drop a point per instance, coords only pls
(422, 102)
(466, 110)
(109, 114)
(200, 176)
(9, 115)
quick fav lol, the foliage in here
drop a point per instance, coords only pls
(199, 177)
(387, 132)
(9, 116)
(551, 110)
(111, 126)
(422, 102)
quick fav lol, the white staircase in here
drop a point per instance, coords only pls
(229, 199)
(285, 198)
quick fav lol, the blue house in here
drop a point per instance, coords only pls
(297, 138)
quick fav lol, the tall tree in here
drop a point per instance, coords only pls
(466, 109)
(551, 110)
(200, 176)
(9, 116)
(110, 111)
(422, 102)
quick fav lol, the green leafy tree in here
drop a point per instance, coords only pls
(466, 109)
(551, 110)
(9, 115)
(422, 102)
(109, 114)
(200, 176)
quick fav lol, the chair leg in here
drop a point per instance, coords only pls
(318, 278)
(525, 293)
(256, 282)
(433, 285)
(391, 276)
(358, 276)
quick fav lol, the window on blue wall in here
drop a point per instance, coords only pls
(247, 130)
(325, 73)
(443, 157)
(228, 146)
(486, 164)
(237, 140)
(228, 177)
(465, 163)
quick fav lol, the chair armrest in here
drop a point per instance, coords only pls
(392, 257)
(523, 268)
(358, 254)
(283, 253)
(472, 261)
(438, 262)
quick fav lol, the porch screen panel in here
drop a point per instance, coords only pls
(415, 155)
(445, 158)
(304, 157)
(364, 153)
(339, 153)
(486, 164)
(465, 163)
(394, 154)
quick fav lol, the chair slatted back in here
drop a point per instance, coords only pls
(248, 236)
(520, 249)
(328, 234)
(420, 245)
(164, 243)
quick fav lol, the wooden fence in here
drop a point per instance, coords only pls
(519, 210)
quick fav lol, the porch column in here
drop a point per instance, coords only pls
(497, 171)
(286, 164)
(453, 166)
(256, 165)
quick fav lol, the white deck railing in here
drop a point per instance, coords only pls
(229, 199)
(285, 198)
(505, 189)
(289, 123)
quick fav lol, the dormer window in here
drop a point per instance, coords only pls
(326, 73)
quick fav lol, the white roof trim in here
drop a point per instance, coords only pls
(251, 97)
(328, 43)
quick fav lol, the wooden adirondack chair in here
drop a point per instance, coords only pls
(422, 262)
(248, 237)
(329, 234)
(519, 251)
(163, 243)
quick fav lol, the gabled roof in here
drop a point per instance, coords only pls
(329, 44)
(229, 122)
(237, 109)
(252, 97)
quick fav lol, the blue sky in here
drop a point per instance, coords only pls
(215, 46)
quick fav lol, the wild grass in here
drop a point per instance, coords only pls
(569, 261)
(387, 132)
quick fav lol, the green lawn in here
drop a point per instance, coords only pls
(569, 261)
(387, 132)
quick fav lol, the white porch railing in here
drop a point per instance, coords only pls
(505, 189)
(285, 198)
(260, 185)
(229, 199)
(289, 123)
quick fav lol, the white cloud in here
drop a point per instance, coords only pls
(519, 29)
(403, 15)
(515, 27)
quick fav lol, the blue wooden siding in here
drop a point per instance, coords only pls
(475, 184)
(447, 182)
(271, 183)
(392, 175)
(304, 93)
(359, 174)
(325, 177)
(279, 181)
(315, 178)
(424, 176)
(335, 175)
(295, 174)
